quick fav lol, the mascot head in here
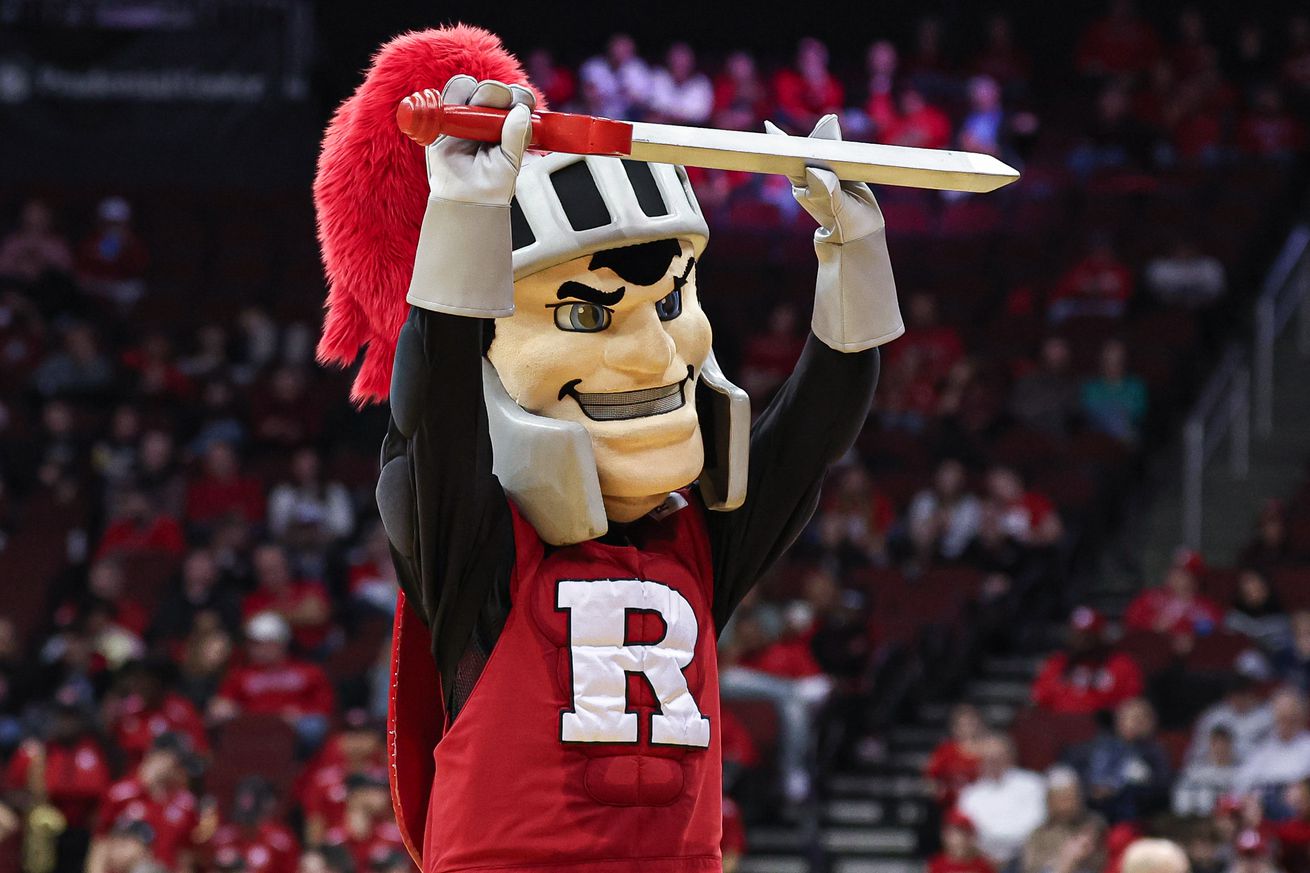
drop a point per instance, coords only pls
(602, 391)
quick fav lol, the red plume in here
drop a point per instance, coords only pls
(371, 190)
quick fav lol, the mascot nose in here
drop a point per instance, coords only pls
(644, 348)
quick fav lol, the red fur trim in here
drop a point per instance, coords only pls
(371, 190)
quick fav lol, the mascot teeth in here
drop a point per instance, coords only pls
(620, 405)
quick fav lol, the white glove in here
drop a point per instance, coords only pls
(464, 265)
(855, 294)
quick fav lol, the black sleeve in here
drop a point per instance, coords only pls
(446, 515)
(812, 421)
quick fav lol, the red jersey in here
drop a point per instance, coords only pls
(591, 741)
(952, 768)
(268, 847)
(135, 727)
(162, 535)
(292, 686)
(1086, 686)
(173, 816)
(76, 776)
(1157, 610)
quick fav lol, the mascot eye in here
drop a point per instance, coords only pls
(582, 317)
(669, 307)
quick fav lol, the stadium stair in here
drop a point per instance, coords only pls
(1231, 504)
(879, 816)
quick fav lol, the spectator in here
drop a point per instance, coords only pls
(944, 519)
(1127, 771)
(733, 843)
(1120, 43)
(1268, 130)
(1006, 803)
(157, 472)
(111, 262)
(105, 582)
(270, 681)
(302, 603)
(1186, 277)
(198, 592)
(77, 370)
(1284, 756)
(155, 794)
(617, 83)
(283, 414)
(1257, 612)
(807, 91)
(1176, 607)
(1154, 856)
(1001, 57)
(679, 93)
(327, 859)
(222, 489)
(1089, 676)
(1293, 661)
(960, 852)
(1046, 399)
(308, 513)
(955, 762)
(555, 81)
(34, 248)
(141, 709)
(1028, 517)
(67, 768)
(206, 653)
(1114, 138)
(254, 832)
(881, 62)
(1098, 286)
(1204, 781)
(1246, 718)
(741, 99)
(855, 519)
(357, 748)
(128, 847)
(1072, 838)
(369, 829)
(140, 528)
(916, 367)
(1114, 403)
(1252, 853)
(1271, 545)
(778, 667)
(984, 125)
(1293, 834)
(372, 575)
(918, 123)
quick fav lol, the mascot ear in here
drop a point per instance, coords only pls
(371, 190)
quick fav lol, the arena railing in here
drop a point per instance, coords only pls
(1242, 386)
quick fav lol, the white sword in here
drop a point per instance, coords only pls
(423, 118)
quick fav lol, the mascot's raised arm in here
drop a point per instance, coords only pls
(574, 493)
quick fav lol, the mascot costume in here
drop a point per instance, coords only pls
(575, 495)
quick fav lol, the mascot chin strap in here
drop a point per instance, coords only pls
(548, 469)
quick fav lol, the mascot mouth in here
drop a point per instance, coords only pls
(622, 405)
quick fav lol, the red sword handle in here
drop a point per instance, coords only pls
(423, 118)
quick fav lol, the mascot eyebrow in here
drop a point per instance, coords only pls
(578, 291)
(642, 264)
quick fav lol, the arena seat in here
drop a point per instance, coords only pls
(263, 744)
(1217, 652)
(1293, 586)
(1040, 737)
(1151, 650)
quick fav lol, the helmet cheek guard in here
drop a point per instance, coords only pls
(568, 206)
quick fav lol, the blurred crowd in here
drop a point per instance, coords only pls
(194, 641)
(1187, 718)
